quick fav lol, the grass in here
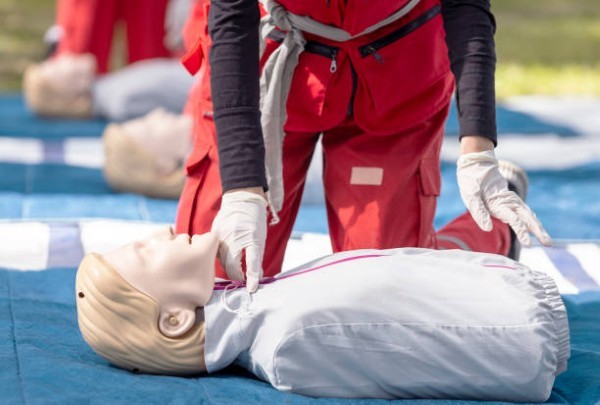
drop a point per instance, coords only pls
(22, 27)
(561, 80)
(548, 32)
(543, 46)
(547, 47)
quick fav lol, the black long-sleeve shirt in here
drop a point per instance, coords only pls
(233, 27)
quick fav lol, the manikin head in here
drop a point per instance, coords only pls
(146, 155)
(61, 86)
(141, 306)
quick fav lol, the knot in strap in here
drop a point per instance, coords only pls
(279, 15)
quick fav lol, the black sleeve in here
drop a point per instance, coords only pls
(233, 27)
(470, 28)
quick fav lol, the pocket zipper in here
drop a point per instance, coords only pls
(373, 47)
(330, 52)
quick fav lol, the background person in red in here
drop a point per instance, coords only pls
(372, 80)
(81, 47)
(88, 26)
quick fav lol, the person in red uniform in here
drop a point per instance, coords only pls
(373, 81)
(87, 26)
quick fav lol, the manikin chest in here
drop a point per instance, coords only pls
(352, 16)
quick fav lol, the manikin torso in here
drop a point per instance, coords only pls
(384, 322)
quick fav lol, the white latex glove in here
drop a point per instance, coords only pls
(485, 192)
(241, 225)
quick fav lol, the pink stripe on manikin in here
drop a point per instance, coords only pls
(500, 266)
(222, 285)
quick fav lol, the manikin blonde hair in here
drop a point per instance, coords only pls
(129, 168)
(120, 323)
(65, 97)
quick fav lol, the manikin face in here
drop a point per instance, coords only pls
(176, 271)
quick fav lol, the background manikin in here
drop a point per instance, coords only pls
(401, 323)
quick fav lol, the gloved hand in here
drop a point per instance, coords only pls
(241, 225)
(485, 192)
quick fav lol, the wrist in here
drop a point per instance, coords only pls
(475, 143)
(247, 194)
(256, 190)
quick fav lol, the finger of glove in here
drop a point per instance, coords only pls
(506, 213)
(480, 213)
(534, 225)
(232, 263)
(254, 270)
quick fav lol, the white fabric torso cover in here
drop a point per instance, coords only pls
(402, 323)
(140, 88)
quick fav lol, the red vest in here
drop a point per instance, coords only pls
(389, 80)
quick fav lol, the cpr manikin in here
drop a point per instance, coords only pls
(400, 323)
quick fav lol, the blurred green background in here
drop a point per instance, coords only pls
(544, 46)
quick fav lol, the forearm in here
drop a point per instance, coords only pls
(470, 30)
(233, 27)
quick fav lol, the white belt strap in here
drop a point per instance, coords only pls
(276, 80)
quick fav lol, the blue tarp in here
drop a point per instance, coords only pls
(43, 358)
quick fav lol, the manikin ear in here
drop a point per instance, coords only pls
(177, 322)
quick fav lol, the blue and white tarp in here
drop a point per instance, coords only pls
(55, 206)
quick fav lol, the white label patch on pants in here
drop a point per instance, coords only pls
(366, 176)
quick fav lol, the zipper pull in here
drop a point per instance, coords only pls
(333, 67)
(371, 50)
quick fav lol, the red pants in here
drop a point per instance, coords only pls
(89, 26)
(380, 191)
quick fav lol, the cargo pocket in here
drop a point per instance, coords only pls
(403, 77)
(197, 159)
(201, 196)
(430, 180)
